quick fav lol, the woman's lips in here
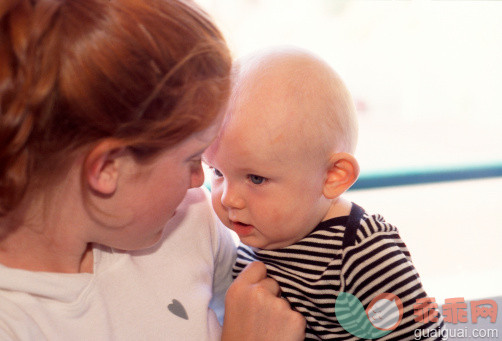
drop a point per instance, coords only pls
(241, 229)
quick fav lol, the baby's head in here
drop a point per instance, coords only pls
(284, 155)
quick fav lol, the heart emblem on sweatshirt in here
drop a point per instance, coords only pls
(177, 309)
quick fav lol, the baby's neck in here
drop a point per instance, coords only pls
(339, 208)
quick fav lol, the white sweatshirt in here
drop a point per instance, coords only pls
(162, 293)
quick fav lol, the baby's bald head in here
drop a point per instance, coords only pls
(283, 157)
(291, 99)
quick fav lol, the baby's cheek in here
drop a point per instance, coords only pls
(275, 217)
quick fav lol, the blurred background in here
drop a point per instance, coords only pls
(426, 77)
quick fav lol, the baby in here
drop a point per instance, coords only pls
(281, 163)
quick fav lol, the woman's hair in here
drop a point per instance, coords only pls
(73, 72)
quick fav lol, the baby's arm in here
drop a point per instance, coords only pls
(379, 263)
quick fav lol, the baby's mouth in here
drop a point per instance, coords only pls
(241, 229)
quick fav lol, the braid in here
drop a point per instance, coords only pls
(25, 85)
(16, 122)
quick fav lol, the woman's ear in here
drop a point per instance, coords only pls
(343, 171)
(101, 166)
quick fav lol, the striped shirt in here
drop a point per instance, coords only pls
(359, 254)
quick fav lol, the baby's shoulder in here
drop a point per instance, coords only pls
(371, 234)
(374, 225)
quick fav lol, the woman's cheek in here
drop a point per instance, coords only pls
(217, 206)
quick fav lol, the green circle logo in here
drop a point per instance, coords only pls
(383, 315)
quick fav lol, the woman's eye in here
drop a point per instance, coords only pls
(217, 172)
(256, 179)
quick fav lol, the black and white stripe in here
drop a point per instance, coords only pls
(312, 272)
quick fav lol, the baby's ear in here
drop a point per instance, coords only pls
(343, 171)
(101, 166)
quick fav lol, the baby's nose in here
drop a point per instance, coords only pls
(231, 198)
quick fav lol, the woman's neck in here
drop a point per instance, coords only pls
(29, 250)
(48, 240)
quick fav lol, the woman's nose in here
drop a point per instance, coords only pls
(197, 176)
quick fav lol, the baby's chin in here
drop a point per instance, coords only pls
(261, 244)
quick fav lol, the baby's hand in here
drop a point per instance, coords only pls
(254, 310)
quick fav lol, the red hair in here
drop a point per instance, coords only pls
(74, 72)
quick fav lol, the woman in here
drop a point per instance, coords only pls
(106, 107)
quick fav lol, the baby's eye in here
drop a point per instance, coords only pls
(256, 179)
(217, 173)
